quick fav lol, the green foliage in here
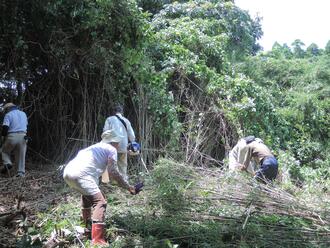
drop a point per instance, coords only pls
(327, 48)
(173, 182)
(208, 218)
(162, 107)
(211, 18)
(66, 216)
(266, 226)
(112, 51)
(175, 60)
(300, 90)
(154, 6)
(279, 51)
(312, 50)
(245, 102)
(298, 50)
(192, 48)
(27, 242)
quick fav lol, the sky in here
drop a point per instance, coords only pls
(287, 20)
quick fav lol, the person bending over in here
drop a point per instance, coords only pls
(82, 173)
(252, 149)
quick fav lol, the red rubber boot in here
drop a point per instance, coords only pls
(98, 232)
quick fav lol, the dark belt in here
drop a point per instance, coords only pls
(16, 132)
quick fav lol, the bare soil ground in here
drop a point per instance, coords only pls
(21, 199)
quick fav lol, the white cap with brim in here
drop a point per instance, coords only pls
(111, 136)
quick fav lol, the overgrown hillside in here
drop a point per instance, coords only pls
(187, 72)
(299, 91)
(193, 80)
(74, 60)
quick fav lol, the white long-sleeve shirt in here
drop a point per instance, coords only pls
(113, 122)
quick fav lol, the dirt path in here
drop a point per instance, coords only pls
(22, 198)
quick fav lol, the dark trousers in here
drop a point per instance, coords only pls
(268, 169)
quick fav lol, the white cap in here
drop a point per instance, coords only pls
(111, 136)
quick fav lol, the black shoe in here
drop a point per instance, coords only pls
(6, 169)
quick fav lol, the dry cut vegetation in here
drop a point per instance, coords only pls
(181, 206)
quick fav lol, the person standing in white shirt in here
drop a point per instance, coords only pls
(124, 128)
(14, 128)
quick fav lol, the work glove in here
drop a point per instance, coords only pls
(133, 148)
(138, 187)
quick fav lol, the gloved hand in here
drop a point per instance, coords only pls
(133, 148)
(138, 187)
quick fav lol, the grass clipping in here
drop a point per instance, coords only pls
(183, 206)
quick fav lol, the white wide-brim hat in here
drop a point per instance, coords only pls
(8, 105)
(111, 136)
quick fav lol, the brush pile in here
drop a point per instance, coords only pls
(180, 206)
(200, 207)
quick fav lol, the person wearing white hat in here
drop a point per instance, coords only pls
(82, 173)
(14, 128)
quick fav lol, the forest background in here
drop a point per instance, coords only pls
(190, 74)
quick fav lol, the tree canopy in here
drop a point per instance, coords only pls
(191, 75)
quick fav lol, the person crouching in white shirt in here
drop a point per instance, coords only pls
(82, 173)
